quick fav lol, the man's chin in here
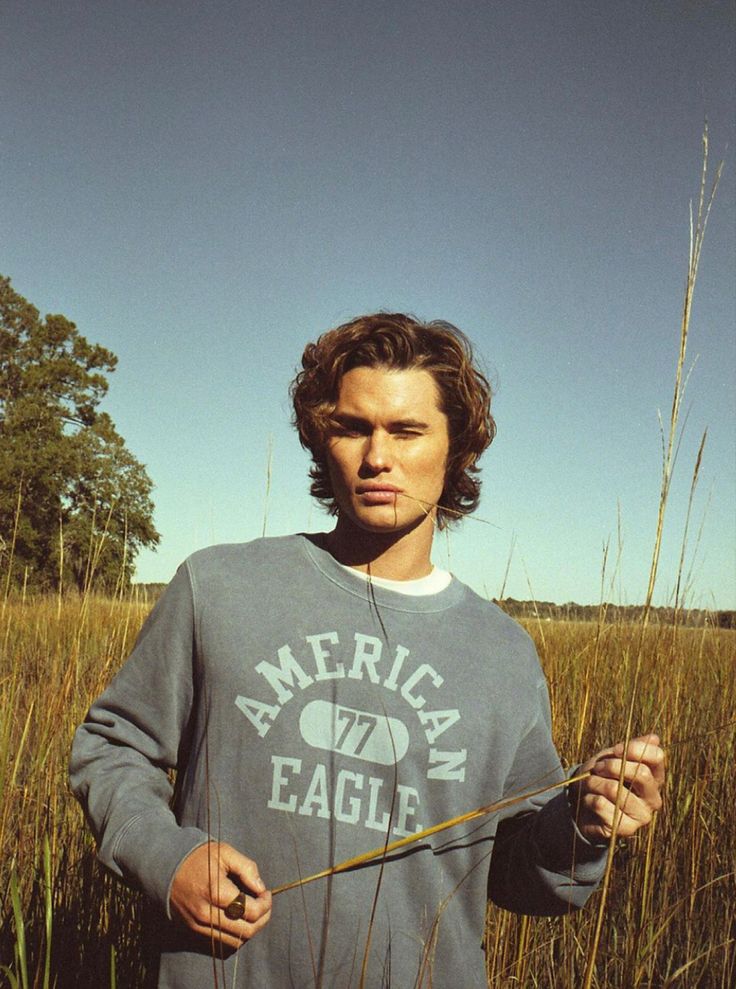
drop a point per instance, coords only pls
(385, 523)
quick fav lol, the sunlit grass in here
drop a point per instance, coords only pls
(671, 912)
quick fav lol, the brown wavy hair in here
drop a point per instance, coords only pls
(398, 341)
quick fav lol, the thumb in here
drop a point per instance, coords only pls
(242, 868)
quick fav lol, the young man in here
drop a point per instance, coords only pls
(321, 696)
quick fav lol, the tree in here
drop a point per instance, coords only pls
(75, 504)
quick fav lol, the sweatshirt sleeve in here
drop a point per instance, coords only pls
(541, 863)
(131, 739)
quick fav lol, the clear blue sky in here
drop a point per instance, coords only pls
(203, 187)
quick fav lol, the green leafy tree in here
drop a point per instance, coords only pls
(75, 504)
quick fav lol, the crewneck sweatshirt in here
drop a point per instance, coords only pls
(312, 716)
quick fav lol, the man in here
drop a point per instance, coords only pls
(321, 696)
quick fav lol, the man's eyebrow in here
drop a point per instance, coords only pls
(408, 424)
(345, 419)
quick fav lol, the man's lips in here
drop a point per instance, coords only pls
(378, 494)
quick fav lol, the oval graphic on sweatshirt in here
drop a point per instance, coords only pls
(336, 728)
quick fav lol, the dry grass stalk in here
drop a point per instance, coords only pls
(697, 235)
(393, 846)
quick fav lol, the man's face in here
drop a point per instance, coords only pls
(387, 448)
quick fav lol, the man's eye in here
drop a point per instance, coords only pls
(407, 433)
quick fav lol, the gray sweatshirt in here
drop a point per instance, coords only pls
(312, 716)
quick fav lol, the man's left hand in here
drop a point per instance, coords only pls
(594, 799)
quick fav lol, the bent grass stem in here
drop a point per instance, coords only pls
(378, 853)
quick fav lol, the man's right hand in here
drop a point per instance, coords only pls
(203, 886)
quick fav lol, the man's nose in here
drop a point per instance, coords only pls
(377, 453)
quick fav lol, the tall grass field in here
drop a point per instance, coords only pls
(670, 913)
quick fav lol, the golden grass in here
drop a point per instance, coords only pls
(671, 901)
(671, 911)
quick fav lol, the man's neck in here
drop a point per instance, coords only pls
(395, 556)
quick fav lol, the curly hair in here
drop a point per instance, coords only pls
(398, 341)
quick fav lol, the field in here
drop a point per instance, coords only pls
(669, 918)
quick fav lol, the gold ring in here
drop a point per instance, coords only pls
(236, 909)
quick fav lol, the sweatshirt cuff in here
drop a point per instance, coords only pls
(562, 847)
(150, 849)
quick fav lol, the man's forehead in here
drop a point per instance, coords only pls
(407, 392)
(391, 384)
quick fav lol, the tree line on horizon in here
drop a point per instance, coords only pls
(617, 613)
(570, 611)
(75, 504)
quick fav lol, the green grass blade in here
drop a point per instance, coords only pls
(12, 981)
(49, 911)
(20, 929)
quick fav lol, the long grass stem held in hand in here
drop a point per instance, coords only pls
(379, 853)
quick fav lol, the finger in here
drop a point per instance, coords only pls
(604, 753)
(220, 936)
(224, 909)
(609, 791)
(249, 908)
(640, 745)
(653, 756)
(601, 812)
(645, 748)
(214, 923)
(638, 778)
(241, 874)
(257, 914)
